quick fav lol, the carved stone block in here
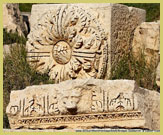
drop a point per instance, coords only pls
(75, 41)
(84, 104)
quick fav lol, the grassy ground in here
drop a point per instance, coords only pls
(152, 9)
(9, 38)
(136, 69)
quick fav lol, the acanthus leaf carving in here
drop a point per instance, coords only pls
(63, 37)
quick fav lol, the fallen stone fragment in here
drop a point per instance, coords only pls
(84, 104)
(12, 19)
(147, 42)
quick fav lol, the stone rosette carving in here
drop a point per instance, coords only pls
(118, 22)
(68, 42)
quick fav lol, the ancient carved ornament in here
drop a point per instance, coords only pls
(68, 43)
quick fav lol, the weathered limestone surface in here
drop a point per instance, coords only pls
(85, 103)
(147, 41)
(75, 41)
(158, 75)
(6, 48)
(12, 20)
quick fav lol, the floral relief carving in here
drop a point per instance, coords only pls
(70, 43)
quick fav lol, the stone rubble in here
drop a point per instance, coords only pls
(12, 20)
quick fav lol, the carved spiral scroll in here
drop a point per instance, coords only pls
(69, 43)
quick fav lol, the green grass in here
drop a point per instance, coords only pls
(136, 69)
(152, 10)
(25, 7)
(9, 38)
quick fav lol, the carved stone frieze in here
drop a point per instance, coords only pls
(72, 102)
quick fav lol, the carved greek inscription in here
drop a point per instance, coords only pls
(100, 100)
(52, 108)
(15, 109)
(66, 102)
(121, 103)
(36, 106)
